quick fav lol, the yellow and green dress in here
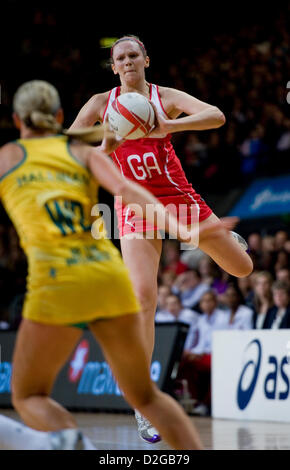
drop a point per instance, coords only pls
(75, 274)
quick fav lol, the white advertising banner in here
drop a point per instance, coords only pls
(251, 375)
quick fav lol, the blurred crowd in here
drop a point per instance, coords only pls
(244, 72)
(246, 75)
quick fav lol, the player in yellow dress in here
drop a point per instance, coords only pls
(48, 185)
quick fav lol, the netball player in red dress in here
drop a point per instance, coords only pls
(152, 162)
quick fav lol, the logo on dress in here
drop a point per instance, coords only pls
(78, 361)
(249, 375)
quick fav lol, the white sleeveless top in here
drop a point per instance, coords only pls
(154, 97)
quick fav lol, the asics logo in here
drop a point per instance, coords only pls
(249, 374)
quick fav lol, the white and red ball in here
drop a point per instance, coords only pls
(131, 116)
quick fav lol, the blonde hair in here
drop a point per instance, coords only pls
(36, 103)
(257, 301)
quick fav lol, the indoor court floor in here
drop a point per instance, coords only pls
(110, 431)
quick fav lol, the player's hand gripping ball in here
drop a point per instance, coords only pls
(131, 116)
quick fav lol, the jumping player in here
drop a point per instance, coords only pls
(153, 163)
(48, 186)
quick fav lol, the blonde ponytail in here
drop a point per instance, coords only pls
(44, 121)
(36, 103)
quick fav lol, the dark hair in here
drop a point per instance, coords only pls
(129, 37)
(238, 291)
(194, 271)
(211, 292)
(281, 285)
(177, 296)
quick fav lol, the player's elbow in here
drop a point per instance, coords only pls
(122, 189)
(219, 117)
(130, 192)
(222, 118)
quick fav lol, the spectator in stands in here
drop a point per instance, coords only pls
(170, 258)
(245, 287)
(167, 278)
(190, 287)
(279, 315)
(283, 274)
(282, 260)
(263, 298)
(280, 238)
(268, 243)
(255, 242)
(206, 268)
(212, 275)
(238, 315)
(175, 312)
(195, 366)
(268, 255)
(163, 292)
(255, 248)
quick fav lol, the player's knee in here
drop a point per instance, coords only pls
(147, 297)
(246, 268)
(149, 401)
(17, 401)
(144, 398)
(15, 394)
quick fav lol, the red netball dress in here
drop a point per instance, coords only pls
(152, 162)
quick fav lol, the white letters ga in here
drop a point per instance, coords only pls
(144, 171)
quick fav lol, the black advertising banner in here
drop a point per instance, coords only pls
(7, 340)
(86, 380)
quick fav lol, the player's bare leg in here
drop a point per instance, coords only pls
(224, 249)
(40, 353)
(142, 258)
(123, 343)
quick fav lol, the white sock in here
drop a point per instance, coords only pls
(17, 436)
(88, 444)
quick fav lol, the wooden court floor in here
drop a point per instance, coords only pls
(118, 432)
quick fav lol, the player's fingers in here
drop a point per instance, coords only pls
(214, 228)
(229, 222)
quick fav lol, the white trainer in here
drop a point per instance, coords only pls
(67, 439)
(242, 242)
(145, 429)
